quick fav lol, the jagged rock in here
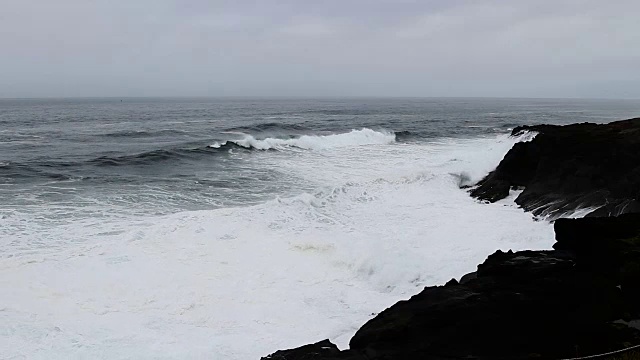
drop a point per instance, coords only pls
(324, 349)
(568, 167)
(609, 247)
(521, 305)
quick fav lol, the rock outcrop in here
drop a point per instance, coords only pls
(569, 167)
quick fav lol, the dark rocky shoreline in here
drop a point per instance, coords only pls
(579, 299)
(572, 166)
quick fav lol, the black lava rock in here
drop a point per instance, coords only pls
(569, 167)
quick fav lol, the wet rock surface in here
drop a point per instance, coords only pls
(568, 167)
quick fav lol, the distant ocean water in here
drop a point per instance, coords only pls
(229, 228)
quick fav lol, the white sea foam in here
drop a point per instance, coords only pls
(316, 142)
(377, 225)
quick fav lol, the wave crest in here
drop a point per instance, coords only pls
(315, 142)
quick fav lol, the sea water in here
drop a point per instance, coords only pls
(230, 228)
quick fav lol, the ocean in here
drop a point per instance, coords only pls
(228, 228)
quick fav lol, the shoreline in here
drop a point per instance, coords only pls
(582, 298)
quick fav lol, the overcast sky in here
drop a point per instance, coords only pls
(528, 48)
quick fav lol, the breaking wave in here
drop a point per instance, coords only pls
(314, 142)
(246, 143)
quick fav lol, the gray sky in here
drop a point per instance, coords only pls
(527, 48)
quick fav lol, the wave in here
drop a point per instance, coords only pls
(56, 169)
(249, 142)
(13, 170)
(47, 169)
(245, 143)
(392, 224)
(159, 155)
(142, 158)
(314, 142)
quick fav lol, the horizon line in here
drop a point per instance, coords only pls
(292, 97)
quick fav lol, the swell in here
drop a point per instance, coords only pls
(61, 170)
(238, 141)
(160, 155)
(251, 143)
(20, 171)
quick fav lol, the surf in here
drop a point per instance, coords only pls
(361, 137)
(365, 229)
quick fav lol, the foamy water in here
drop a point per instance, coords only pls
(314, 142)
(377, 221)
(230, 228)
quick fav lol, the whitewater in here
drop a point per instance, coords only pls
(236, 283)
(188, 237)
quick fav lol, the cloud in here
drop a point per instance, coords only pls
(320, 48)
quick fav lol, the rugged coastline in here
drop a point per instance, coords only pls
(579, 299)
(569, 167)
